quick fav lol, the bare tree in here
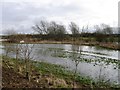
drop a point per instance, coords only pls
(23, 51)
(84, 29)
(97, 29)
(52, 28)
(103, 29)
(11, 35)
(76, 56)
(56, 29)
(106, 29)
(12, 47)
(41, 27)
(74, 28)
(26, 54)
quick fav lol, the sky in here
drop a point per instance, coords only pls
(21, 15)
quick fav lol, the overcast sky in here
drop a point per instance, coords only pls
(22, 14)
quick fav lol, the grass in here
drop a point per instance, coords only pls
(59, 71)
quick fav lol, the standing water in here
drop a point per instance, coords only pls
(94, 62)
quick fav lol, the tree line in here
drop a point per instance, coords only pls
(53, 31)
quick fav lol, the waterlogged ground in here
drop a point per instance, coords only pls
(95, 62)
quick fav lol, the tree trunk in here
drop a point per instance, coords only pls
(27, 70)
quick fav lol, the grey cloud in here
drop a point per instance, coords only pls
(12, 14)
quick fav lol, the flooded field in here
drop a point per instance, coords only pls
(94, 62)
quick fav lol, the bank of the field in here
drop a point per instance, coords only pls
(44, 75)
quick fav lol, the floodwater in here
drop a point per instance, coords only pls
(94, 62)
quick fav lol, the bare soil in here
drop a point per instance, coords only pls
(11, 79)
